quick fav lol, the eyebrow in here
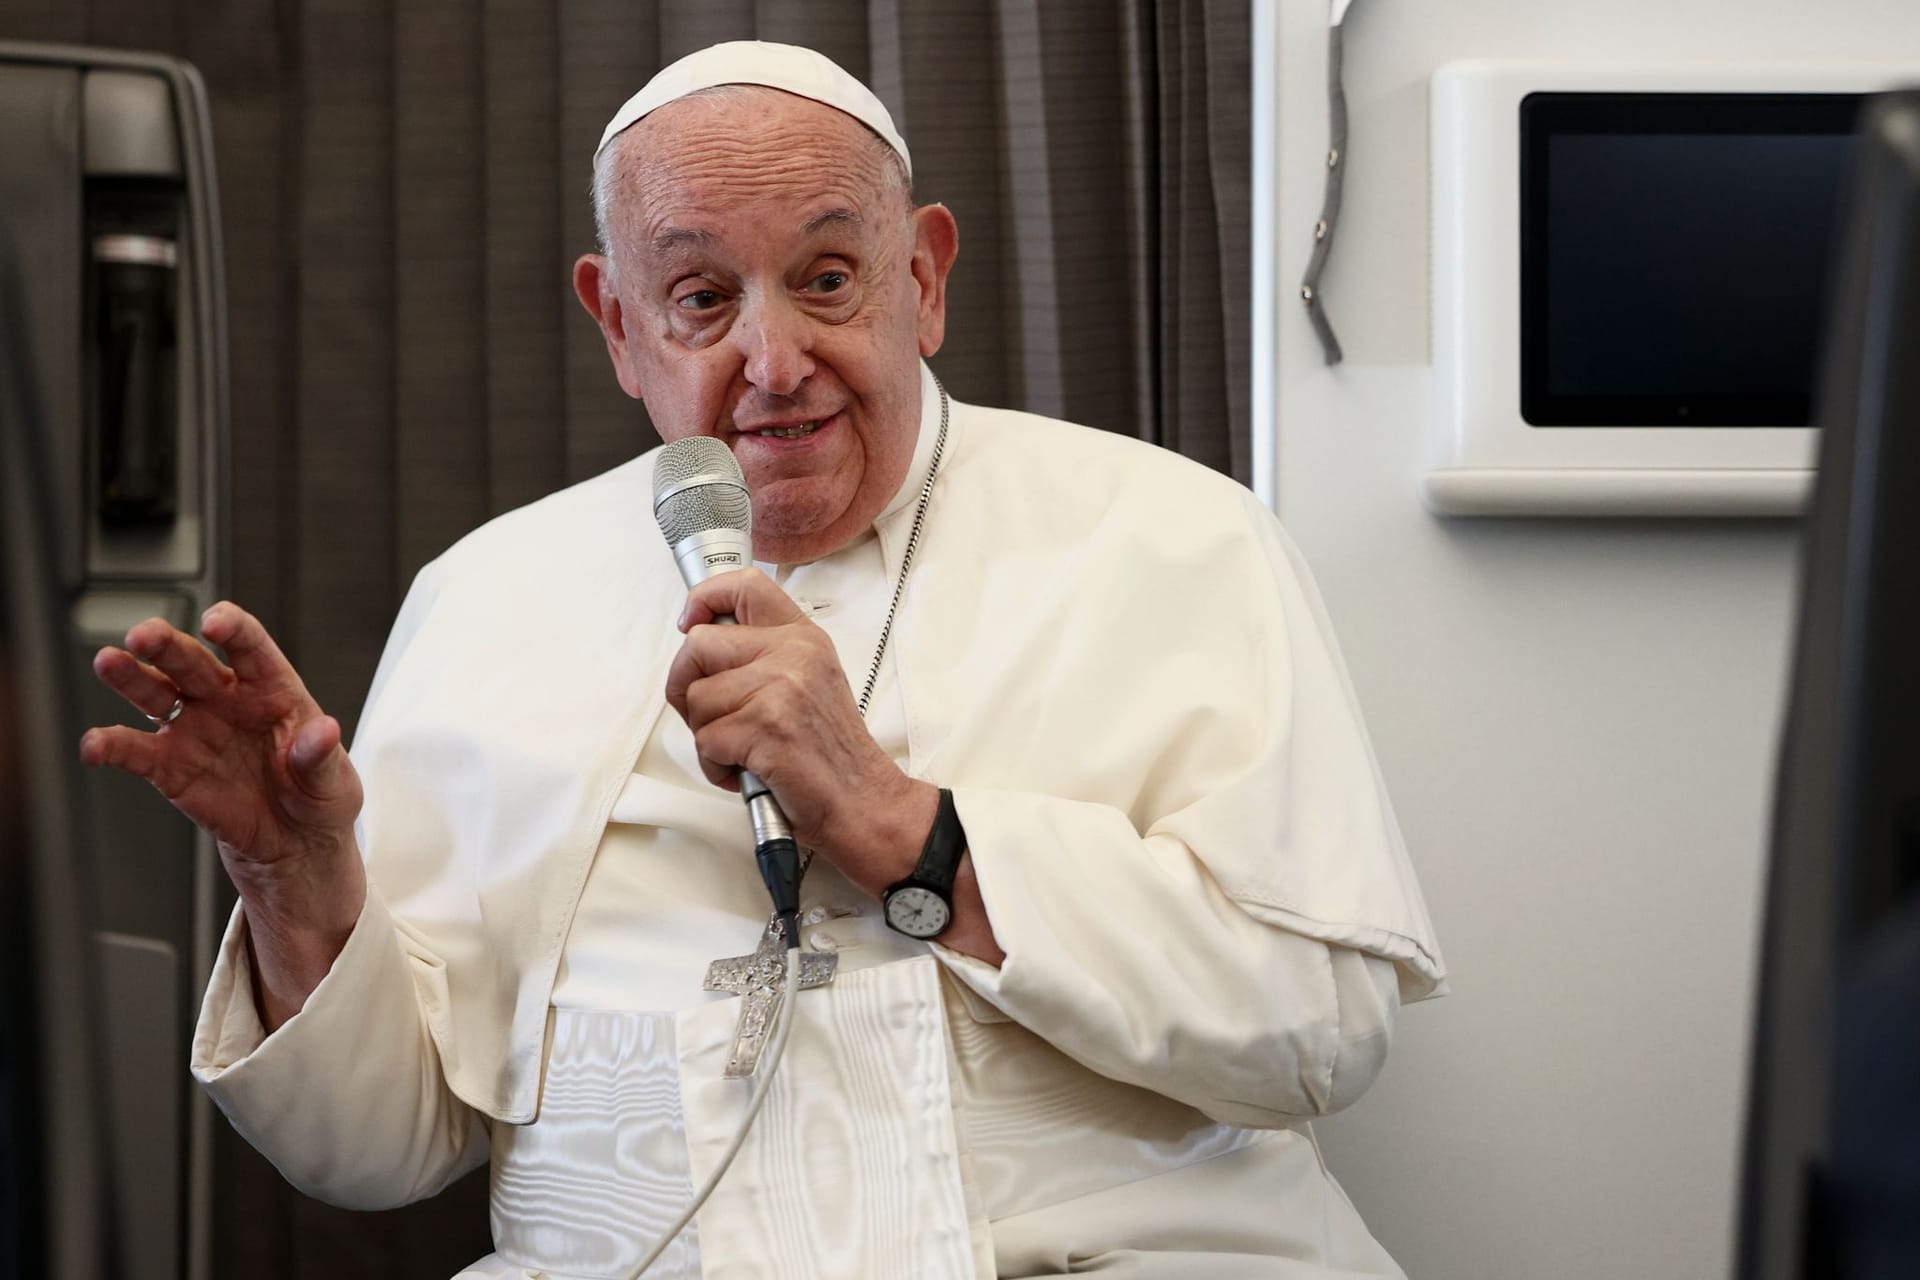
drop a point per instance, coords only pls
(831, 218)
(678, 237)
(674, 237)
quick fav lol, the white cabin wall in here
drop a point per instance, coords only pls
(1577, 719)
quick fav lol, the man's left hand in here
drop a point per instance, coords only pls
(769, 695)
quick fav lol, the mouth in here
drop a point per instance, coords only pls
(786, 433)
(789, 430)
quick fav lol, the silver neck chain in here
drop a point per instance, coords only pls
(906, 560)
(906, 567)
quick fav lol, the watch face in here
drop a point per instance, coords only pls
(917, 912)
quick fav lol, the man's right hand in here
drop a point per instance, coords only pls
(254, 762)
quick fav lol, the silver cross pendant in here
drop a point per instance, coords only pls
(760, 980)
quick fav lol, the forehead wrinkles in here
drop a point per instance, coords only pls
(703, 158)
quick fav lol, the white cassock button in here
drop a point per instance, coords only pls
(821, 940)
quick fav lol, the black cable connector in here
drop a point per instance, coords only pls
(779, 860)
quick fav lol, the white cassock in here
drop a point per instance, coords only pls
(1115, 660)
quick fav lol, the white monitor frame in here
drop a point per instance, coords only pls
(1484, 458)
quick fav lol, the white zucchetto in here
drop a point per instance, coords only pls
(776, 66)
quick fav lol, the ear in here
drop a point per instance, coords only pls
(593, 281)
(936, 242)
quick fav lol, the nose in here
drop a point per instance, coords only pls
(776, 345)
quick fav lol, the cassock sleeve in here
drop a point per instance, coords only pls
(1237, 925)
(1160, 980)
(347, 1097)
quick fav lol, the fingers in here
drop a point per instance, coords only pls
(716, 697)
(325, 789)
(704, 684)
(791, 701)
(190, 665)
(316, 759)
(120, 747)
(709, 650)
(747, 594)
(249, 648)
(719, 760)
(735, 714)
(742, 720)
(150, 692)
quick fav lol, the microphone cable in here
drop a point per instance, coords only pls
(782, 1023)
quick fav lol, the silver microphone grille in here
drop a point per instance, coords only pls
(697, 486)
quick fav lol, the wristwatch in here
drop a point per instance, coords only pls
(921, 906)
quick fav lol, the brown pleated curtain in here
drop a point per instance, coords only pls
(405, 187)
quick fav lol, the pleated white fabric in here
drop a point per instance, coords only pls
(601, 1177)
(852, 1169)
(880, 1156)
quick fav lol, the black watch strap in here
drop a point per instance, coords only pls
(946, 844)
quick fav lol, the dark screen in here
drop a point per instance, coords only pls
(1674, 268)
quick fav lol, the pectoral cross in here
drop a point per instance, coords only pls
(760, 980)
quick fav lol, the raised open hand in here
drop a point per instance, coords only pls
(249, 755)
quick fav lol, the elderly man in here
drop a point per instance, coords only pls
(1163, 915)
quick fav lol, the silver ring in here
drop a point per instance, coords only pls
(173, 712)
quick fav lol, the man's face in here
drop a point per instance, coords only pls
(772, 289)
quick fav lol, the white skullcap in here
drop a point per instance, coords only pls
(777, 66)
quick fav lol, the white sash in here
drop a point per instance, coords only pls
(852, 1170)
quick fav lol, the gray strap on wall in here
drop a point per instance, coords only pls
(1330, 204)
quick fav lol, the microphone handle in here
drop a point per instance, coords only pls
(774, 847)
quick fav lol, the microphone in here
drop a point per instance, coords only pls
(705, 513)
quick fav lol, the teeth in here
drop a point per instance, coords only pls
(791, 433)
